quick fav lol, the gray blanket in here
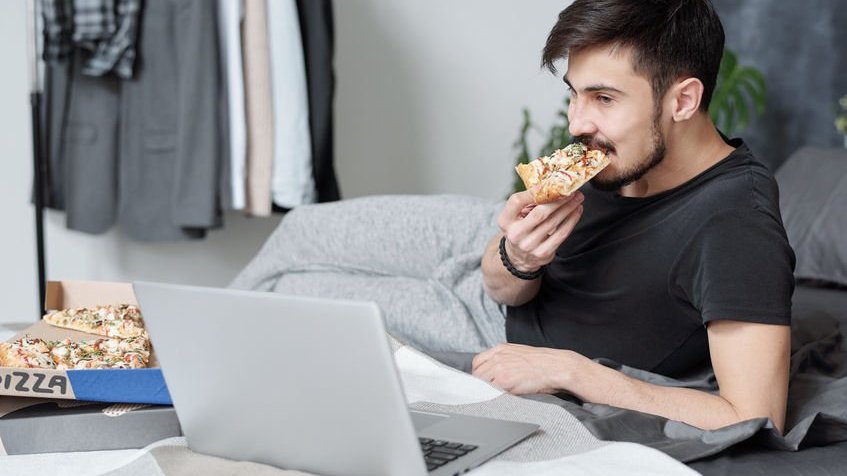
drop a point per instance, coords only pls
(817, 401)
(372, 249)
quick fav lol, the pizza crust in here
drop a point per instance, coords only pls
(8, 358)
(529, 174)
(57, 318)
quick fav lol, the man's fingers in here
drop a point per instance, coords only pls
(514, 206)
(538, 215)
(525, 211)
(559, 217)
(486, 355)
(478, 359)
(549, 226)
(484, 371)
(553, 241)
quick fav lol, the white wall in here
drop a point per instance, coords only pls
(430, 92)
(428, 101)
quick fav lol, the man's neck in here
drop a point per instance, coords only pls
(692, 148)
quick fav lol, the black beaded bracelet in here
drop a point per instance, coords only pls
(516, 272)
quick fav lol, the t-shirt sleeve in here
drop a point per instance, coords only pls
(739, 266)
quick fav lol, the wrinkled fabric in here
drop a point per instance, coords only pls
(817, 401)
(116, 52)
(106, 29)
(417, 257)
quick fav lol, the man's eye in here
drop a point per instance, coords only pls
(604, 99)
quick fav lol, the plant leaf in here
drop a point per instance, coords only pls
(741, 108)
(739, 93)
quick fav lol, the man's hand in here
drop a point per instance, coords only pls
(522, 369)
(534, 232)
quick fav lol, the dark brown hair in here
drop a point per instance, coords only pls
(669, 39)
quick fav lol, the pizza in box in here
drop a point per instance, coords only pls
(118, 341)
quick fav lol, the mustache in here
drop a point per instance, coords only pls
(595, 143)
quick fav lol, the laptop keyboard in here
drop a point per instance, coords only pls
(437, 453)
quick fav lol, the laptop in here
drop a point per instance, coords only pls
(302, 383)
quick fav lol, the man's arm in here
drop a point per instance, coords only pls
(499, 283)
(750, 360)
(533, 233)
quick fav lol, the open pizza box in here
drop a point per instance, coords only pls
(96, 385)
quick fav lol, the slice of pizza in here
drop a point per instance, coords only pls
(105, 353)
(123, 320)
(27, 352)
(109, 353)
(562, 172)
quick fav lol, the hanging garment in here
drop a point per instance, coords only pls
(53, 116)
(107, 28)
(93, 20)
(58, 29)
(115, 52)
(293, 183)
(230, 17)
(316, 25)
(171, 154)
(144, 153)
(259, 109)
(82, 144)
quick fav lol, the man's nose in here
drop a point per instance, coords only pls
(580, 123)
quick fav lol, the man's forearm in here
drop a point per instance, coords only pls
(499, 283)
(599, 384)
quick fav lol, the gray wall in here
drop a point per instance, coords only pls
(801, 47)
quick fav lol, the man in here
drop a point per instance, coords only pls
(676, 254)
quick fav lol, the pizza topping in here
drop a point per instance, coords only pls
(576, 150)
(87, 354)
(122, 320)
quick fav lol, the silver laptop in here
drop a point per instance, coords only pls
(302, 383)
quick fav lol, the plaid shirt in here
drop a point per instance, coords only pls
(107, 27)
(58, 27)
(93, 20)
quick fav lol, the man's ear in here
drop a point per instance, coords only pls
(685, 98)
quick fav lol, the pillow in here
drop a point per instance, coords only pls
(813, 202)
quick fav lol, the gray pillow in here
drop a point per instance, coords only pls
(813, 201)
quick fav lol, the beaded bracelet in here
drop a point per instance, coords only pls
(516, 272)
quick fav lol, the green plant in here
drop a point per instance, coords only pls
(739, 93)
(841, 118)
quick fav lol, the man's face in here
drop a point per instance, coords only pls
(612, 107)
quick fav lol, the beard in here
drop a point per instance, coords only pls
(626, 177)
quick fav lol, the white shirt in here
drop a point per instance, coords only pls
(293, 183)
(231, 13)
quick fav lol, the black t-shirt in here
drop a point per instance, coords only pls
(638, 278)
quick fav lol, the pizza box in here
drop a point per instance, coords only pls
(97, 385)
(37, 425)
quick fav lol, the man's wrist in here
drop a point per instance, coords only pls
(518, 273)
(575, 369)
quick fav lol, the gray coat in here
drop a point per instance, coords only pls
(147, 153)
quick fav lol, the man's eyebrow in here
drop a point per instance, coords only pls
(594, 87)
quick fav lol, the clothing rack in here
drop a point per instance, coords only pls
(37, 149)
